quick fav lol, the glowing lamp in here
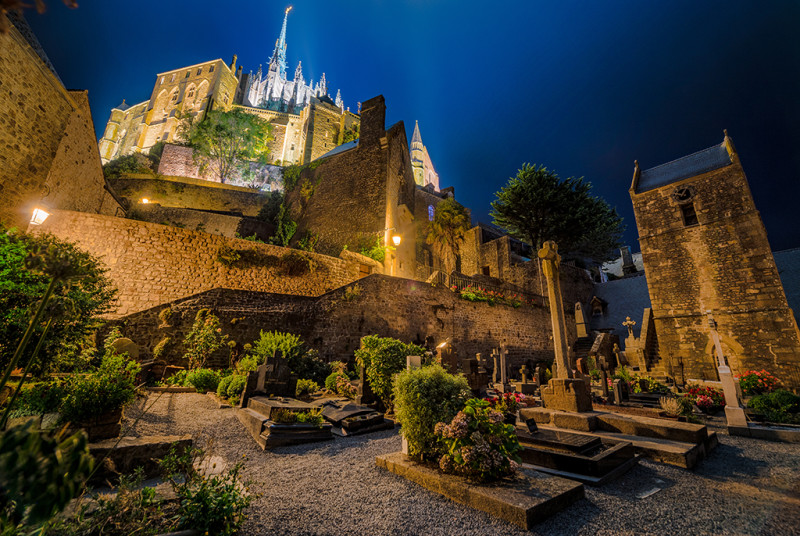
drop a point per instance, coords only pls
(145, 200)
(396, 240)
(39, 215)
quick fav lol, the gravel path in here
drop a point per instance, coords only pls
(746, 486)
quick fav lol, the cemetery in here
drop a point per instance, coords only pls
(315, 337)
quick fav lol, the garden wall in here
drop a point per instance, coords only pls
(153, 264)
(335, 322)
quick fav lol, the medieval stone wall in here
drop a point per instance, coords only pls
(334, 325)
(723, 265)
(323, 130)
(153, 264)
(199, 220)
(184, 192)
(46, 138)
(178, 161)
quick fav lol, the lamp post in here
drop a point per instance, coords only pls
(39, 215)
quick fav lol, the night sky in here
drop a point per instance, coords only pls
(581, 87)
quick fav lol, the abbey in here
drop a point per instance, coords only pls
(306, 121)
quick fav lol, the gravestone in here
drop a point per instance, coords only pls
(476, 375)
(540, 375)
(364, 394)
(581, 365)
(563, 392)
(496, 368)
(620, 391)
(412, 362)
(272, 378)
(734, 414)
(604, 376)
(525, 386)
(446, 356)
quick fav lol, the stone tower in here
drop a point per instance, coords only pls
(705, 249)
(424, 173)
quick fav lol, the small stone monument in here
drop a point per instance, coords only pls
(620, 391)
(446, 356)
(580, 321)
(734, 413)
(604, 376)
(581, 365)
(525, 386)
(563, 391)
(272, 378)
(496, 369)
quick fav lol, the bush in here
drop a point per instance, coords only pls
(757, 382)
(779, 406)
(306, 387)
(222, 386)
(270, 343)
(382, 358)
(108, 389)
(424, 397)
(310, 365)
(331, 380)
(478, 444)
(235, 388)
(39, 398)
(204, 339)
(208, 504)
(25, 270)
(203, 380)
(248, 363)
(287, 416)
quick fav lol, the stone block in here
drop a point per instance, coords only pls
(566, 394)
(132, 452)
(524, 499)
(684, 432)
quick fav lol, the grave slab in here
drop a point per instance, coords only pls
(525, 499)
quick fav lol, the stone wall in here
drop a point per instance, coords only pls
(178, 161)
(153, 264)
(182, 192)
(199, 220)
(46, 137)
(724, 265)
(333, 324)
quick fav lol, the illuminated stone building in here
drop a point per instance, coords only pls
(424, 173)
(306, 121)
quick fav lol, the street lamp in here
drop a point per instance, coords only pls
(396, 240)
(39, 215)
(145, 200)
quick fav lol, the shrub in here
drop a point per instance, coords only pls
(222, 386)
(296, 264)
(424, 397)
(208, 504)
(344, 387)
(203, 380)
(108, 389)
(506, 402)
(676, 406)
(757, 382)
(310, 365)
(330, 381)
(235, 388)
(25, 273)
(204, 339)
(478, 444)
(248, 363)
(287, 416)
(270, 343)
(382, 358)
(779, 406)
(39, 398)
(306, 387)
(228, 256)
(161, 347)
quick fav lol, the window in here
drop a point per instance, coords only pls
(188, 74)
(689, 215)
(199, 70)
(364, 270)
(173, 78)
(431, 212)
(174, 98)
(211, 69)
(191, 93)
(162, 79)
(487, 271)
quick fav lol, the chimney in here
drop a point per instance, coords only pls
(373, 120)
(233, 63)
(628, 267)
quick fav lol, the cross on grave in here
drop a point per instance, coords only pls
(524, 371)
(604, 375)
(496, 369)
(629, 324)
(504, 365)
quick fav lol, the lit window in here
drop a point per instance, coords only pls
(188, 74)
(199, 70)
(162, 79)
(431, 212)
(173, 78)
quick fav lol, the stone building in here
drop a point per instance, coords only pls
(424, 173)
(48, 149)
(705, 250)
(306, 121)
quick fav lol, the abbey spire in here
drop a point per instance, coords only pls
(278, 61)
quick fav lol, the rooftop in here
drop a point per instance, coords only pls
(715, 157)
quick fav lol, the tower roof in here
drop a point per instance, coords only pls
(715, 157)
(416, 137)
(279, 54)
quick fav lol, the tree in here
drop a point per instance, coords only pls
(446, 231)
(536, 206)
(226, 142)
(29, 265)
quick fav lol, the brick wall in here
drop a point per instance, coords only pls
(153, 264)
(723, 265)
(387, 306)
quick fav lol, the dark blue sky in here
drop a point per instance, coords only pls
(581, 87)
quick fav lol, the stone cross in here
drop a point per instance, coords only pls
(412, 362)
(496, 369)
(524, 371)
(629, 324)
(503, 364)
(604, 375)
(551, 261)
(734, 413)
(617, 353)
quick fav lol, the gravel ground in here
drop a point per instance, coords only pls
(746, 486)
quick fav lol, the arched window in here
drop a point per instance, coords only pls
(431, 212)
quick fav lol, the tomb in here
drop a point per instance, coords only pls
(349, 419)
(259, 419)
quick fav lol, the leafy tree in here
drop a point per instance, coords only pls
(382, 358)
(226, 142)
(446, 231)
(350, 134)
(536, 206)
(29, 266)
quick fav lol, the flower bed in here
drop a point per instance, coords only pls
(477, 294)
(708, 399)
(757, 382)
